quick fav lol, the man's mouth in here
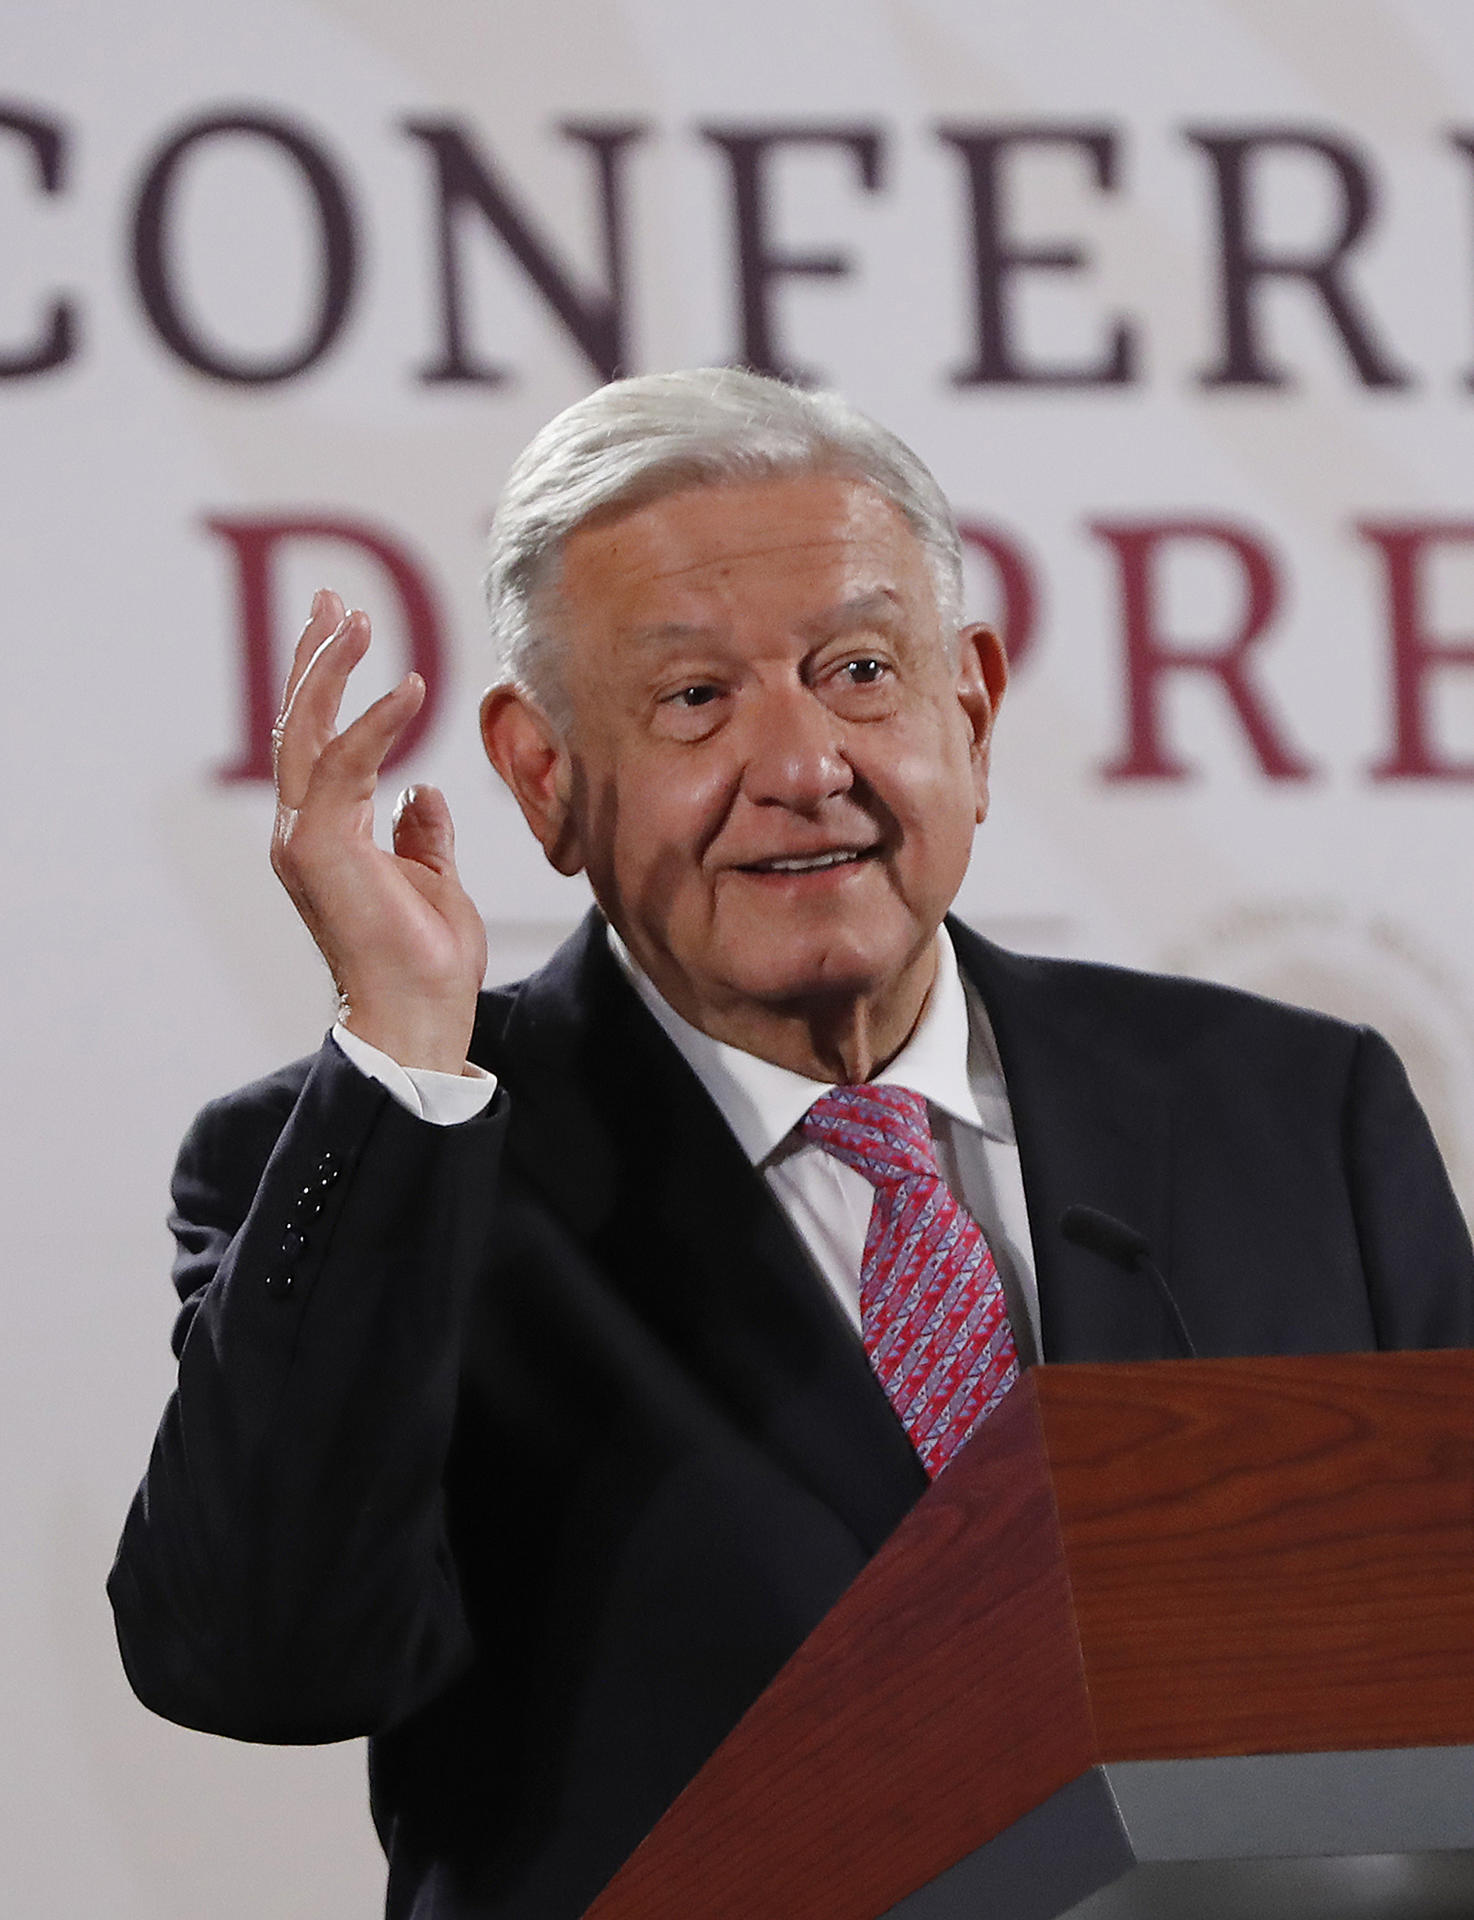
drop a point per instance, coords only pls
(809, 862)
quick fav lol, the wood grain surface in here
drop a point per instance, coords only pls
(1128, 1562)
(1271, 1555)
(940, 1700)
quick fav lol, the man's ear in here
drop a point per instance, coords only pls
(534, 760)
(982, 677)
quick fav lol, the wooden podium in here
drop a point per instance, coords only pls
(1184, 1610)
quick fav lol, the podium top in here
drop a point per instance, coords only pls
(1132, 1562)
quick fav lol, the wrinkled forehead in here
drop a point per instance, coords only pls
(810, 547)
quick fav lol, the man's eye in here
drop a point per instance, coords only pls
(864, 672)
(700, 694)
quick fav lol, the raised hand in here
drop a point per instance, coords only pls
(403, 939)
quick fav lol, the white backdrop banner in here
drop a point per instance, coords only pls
(1176, 297)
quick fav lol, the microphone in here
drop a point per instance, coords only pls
(1124, 1247)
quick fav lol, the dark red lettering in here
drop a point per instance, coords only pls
(997, 259)
(56, 338)
(760, 265)
(1246, 262)
(156, 265)
(1152, 655)
(1416, 653)
(1464, 142)
(467, 182)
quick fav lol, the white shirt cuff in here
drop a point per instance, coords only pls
(444, 1099)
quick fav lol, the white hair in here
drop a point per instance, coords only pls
(641, 439)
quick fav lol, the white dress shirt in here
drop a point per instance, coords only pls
(951, 1059)
(444, 1099)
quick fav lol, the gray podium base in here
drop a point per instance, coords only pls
(1317, 1836)
(1385, 1886)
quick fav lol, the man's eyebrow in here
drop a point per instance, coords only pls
(671, 633)
(879, 607)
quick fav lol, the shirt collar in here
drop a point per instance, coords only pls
(951, 1059)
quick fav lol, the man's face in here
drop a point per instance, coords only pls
(775, 763)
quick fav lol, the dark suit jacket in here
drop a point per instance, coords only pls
(537, 1472)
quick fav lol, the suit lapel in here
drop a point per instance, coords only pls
(1092, 1123)
(611, 1125)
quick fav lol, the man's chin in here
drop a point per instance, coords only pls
(835, 972)
(744, 967)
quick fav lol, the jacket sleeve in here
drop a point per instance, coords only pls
(284, 1572)
(1415, 1247)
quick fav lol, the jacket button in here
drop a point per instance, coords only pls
(292, 1243)
(279, 1283)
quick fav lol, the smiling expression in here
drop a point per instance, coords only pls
(776, 760)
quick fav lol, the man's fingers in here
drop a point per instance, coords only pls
(322, 622)
(422, 829)
(310, 717)
(346, 770)
(334, 811)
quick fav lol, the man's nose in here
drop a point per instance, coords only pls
(795, 754)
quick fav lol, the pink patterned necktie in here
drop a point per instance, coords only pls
(932, 1312)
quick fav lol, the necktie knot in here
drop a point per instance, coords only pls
(881, 1131)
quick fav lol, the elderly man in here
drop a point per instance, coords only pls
(550, 1363)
